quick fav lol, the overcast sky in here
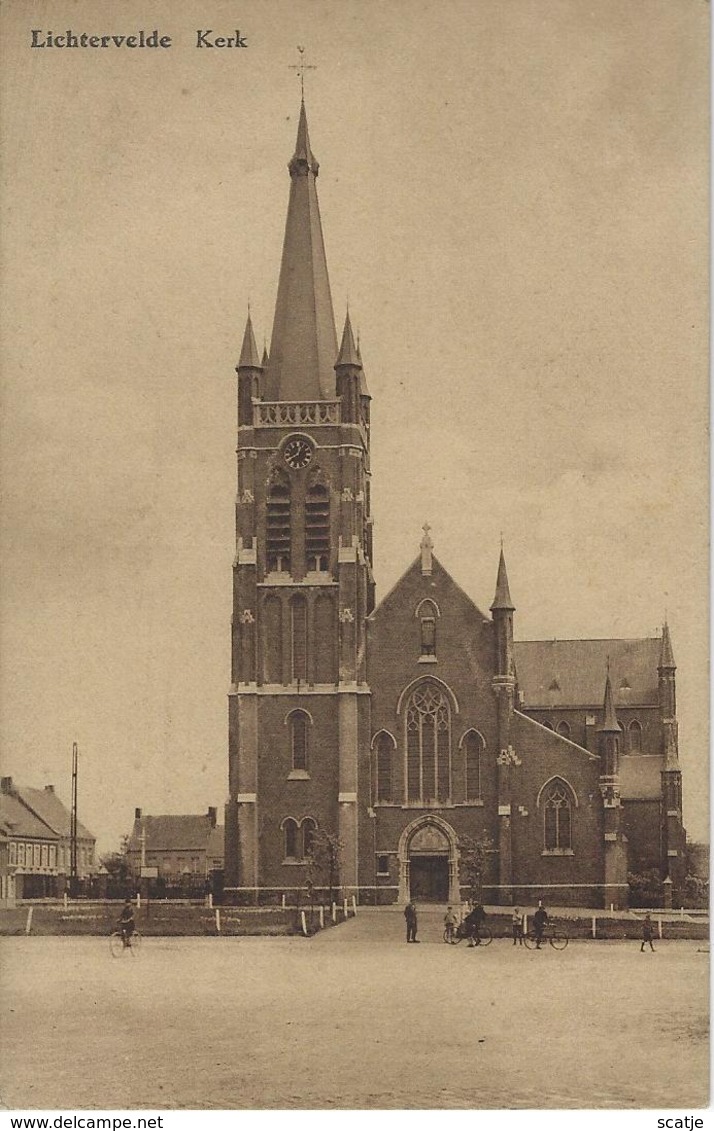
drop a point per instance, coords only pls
(514, 197)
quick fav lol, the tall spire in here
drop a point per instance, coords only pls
(609, 724)
(666, 659)
(249, 358)
(502, 600)
(303, 347)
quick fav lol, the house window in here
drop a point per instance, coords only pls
(382, 865)
(298, 721)
(277, 528)
(383, 767)
(473, 745)
(428, 743)
(564, 729)
(427, 613)
(309, 828)
(21, 855)
(635, 733)
(290, 833)
(317, 529)
(53, 856)
(36, 857)
(557, 824)
(13, 852)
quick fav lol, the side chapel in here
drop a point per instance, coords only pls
(408, 726)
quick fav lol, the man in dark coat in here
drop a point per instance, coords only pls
(539, 921)
(410, 914)
(473, 922)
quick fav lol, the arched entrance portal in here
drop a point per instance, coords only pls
(428, 862)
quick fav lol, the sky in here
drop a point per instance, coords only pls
(514, 200)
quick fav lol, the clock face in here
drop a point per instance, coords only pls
(297, 452)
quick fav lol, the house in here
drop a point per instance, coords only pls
(177, 846)
(39, 830)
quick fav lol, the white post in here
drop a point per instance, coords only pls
(525, 923)
(334, 912)
(659, 927)
(218, 920)
(210, 900)
(28, 924)
(322, 916)
(345, 906)
(304, 923)
(354, 905)
(64, 899)
(283, 901)
(594, 927)
(681, 913)
(138, 899)
(612, 906)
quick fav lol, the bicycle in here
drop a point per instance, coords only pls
(556, 937)
(483, 938)
(118, 946)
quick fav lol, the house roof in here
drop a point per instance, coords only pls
(640, 777)
(20, 821)
(47, 806)
(170, 832)
(554, 673)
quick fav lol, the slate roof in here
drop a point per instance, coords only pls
(640, 777)
(569, 673)
(47, 806)
(20, 821)
(171, 833)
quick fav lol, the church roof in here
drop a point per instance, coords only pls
(553, 673)
(303, 346)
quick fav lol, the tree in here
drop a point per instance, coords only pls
(324, 861)
(472, 854)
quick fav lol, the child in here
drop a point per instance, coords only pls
(450, 922)
(647, 933)
(517, 927)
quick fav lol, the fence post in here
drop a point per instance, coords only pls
(354, 905)
(659, 927)
(304, 923)
(334, 912)
(681, 913)
(210, 900)
(138, 899)
(64, 900)
(594, 927)
(322, 916)
(28, 924)
(283, 901)
(218, 920)
(344, 905)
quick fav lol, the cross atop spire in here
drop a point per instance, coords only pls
(301, 67)
(426, 546)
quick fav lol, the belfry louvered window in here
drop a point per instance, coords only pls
(428, 726)
(317, 528)
(278, 529)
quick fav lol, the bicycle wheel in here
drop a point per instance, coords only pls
(530, 940)
(484, 937)
(116, 944)
(135, 943)
(558, 941)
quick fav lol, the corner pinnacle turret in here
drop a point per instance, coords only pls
(609, 724)
(249, 358)
(303, 346)
(502, 600)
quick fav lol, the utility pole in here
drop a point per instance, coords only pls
(73, 826)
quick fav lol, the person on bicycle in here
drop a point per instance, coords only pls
(450, 923)
(473, 922)
(539, 921)
(126, 923)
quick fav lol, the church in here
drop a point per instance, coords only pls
(411, 728)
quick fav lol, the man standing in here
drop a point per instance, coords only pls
(647, 933)
(410, 914)
(517, 927)
(539, 921)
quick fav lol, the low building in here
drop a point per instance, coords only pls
(38, 827)
(178, 846)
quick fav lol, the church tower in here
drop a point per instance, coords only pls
(674, 865)
(302, 575)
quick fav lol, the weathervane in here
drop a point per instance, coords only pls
(301, 67)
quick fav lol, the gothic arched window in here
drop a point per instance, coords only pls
(564, 729)
(428, 743)
(317, 528)
(473, 745)
(635, 734)
(290, 836)
(557, 822)
(309, 828)
(298, 722)
(277, 528)
(298, 615)
(383, 752)
(547, 724)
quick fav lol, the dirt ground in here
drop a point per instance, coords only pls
(353, 1018)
